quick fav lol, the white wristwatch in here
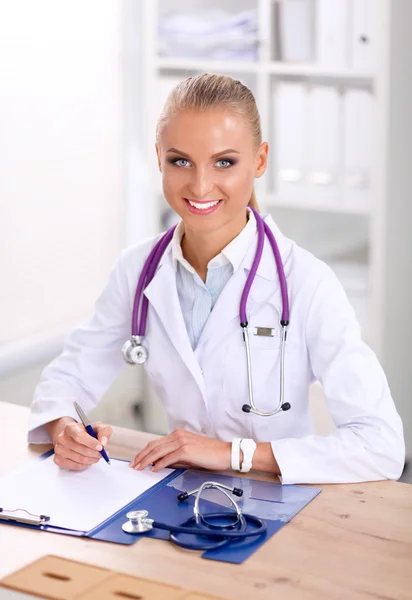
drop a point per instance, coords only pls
(248, 448)
(236, 454)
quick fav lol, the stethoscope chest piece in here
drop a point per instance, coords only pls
(138, 522)
(134, 353)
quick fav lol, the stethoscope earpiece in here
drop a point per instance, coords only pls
(247, 408)
(183, 496)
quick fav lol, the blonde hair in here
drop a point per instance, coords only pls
(211, 91)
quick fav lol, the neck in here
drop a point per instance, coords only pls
(199, 249)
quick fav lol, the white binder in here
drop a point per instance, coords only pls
(363, 39)
(296, 30)
(323, 145)
(290, 124)
(358, 146)
(332, 32)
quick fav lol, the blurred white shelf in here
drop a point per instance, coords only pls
(292, 203)
(314, 70)
(272, 68)
(208, 65)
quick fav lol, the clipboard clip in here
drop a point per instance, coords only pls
(6, 515)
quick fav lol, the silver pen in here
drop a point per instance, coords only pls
(89, 429)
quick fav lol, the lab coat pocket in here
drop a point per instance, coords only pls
(265, 362)
(265, 345)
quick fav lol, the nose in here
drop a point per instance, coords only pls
(201, 183)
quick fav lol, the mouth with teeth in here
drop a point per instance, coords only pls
(202, 208)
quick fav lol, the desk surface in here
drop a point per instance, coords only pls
(353, 541)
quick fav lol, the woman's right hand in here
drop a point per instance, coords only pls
(74, 448)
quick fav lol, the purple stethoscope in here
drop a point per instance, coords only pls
(136, 354)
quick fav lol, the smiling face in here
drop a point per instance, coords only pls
(209, 162)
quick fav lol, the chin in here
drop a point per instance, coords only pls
(202, 223)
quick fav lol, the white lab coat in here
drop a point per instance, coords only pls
(204, 390)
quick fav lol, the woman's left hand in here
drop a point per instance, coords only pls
(184, 448)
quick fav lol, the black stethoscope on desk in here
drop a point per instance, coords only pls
(220, 528)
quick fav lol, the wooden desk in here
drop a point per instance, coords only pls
(352, 541)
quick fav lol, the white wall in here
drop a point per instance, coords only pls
(62, 191)
(61, 206)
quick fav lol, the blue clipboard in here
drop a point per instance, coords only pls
(277, 504)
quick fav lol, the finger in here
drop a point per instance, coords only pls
(66, 463)
(104, 432)
(148, 448)
(157, 453)
(69, 442)
(67, 453)
(152, 450)
(80, 435)
(173, 458)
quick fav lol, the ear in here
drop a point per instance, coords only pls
(261, 159)
(159, 163)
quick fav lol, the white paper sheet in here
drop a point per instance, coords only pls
(78, 500)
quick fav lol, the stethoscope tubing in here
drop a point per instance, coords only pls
(147, 274)
(199, 546)
(281, 404)
(217, 538)
(204, 532)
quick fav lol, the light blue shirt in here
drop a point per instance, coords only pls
(197, 298)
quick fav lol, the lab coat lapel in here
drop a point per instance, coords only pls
(163, 297)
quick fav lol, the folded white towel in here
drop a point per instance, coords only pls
(208, 22)
(210, 34)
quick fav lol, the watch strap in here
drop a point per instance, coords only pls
(248, 448)
(236, 454)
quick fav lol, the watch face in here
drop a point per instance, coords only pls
(248, 445)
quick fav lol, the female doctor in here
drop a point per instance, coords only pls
(209, 151)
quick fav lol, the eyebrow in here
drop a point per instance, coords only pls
(228, 151)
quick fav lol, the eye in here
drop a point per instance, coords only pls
(180, 162)
(227, 162)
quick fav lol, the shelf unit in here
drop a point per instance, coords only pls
(274, 201)
(371, 237)
(162, 72)
(301, 70)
